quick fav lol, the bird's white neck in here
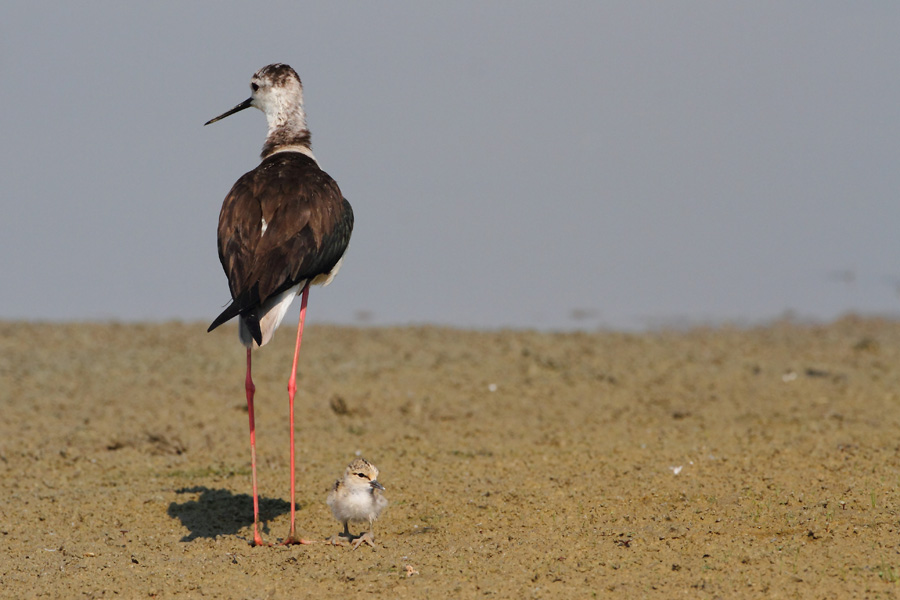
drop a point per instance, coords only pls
(286, 114)
(287, 132)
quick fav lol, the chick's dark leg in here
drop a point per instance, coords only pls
(341, 539)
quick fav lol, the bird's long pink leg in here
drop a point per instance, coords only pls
(257, 539)
(292, 388)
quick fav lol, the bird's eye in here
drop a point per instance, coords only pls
(363, 475)
(254, 86)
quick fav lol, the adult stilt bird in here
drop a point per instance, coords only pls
(284, 226)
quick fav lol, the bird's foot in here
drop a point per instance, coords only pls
(366, 537)
(339, 540)
(257, 539)
(292, 540)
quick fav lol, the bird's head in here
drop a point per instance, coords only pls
(277, 91)
(362, 474)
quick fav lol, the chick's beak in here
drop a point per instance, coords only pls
(245, 104)
(376, 485)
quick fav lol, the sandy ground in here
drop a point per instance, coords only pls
(712, 463)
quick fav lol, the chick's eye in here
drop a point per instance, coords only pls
(254, 87)
(361, 475)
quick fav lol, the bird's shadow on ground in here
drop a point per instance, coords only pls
(220, 512)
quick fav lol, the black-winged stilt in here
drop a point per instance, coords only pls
(284, 226)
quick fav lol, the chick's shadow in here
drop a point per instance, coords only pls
(220, 512)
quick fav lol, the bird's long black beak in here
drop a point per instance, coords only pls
(376, 485)
(245, 104)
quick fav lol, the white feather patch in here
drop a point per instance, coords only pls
(300, 149)
(271, 314)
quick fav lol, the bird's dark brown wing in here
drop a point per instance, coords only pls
(308, 227)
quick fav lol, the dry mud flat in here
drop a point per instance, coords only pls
(712, 463)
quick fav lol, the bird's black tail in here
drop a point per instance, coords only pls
(245, 305)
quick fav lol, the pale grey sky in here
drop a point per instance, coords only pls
(508, 162)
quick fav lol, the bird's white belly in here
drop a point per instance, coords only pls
(356, 506)
(325, 279)
(271, 314)
(273, 310)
